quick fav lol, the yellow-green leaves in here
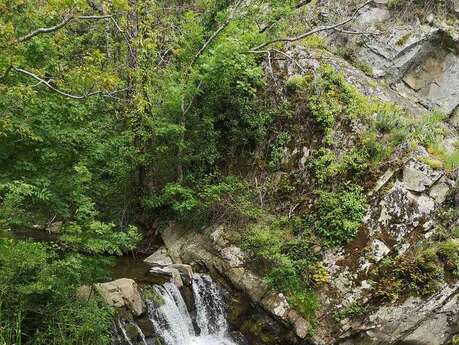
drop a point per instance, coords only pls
(120, 5)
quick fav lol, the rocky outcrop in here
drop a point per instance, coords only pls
(420, 60)
(211, 251)
(417, 321)
(403, 207)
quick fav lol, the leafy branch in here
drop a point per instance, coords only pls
(217, 32)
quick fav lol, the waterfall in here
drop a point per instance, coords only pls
(172, 321)
(210, 309)
(123, 331)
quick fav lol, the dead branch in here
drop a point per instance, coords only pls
(313, 31)
(54, 28)
(103, 93)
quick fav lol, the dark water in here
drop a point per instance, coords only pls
(131, 267)
(37, 235)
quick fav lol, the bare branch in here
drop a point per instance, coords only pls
(125, 36)
(302, 3)
(290, 58)
(314, 31)
(349, 32)
(46, 30)
(65, 94)
(106, 16)
(216, 33)
(54, 28)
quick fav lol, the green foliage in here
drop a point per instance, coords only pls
(364, 67)
(291, 261)
(418, 273)
(352, 310)
(422, 269)
(441, 158)
(98, 238)
(448, 252)
(38, 302)
(403, 39)
(173, 108)
(277, 151)
(206, 200)
(327, 165)
(338, 215)
(151, 295)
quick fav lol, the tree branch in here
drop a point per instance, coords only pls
(314, 31)
(216, 33)
(65, 94)
(54, 28)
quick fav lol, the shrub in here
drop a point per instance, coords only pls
(274, 242)
(353, 310)
(337, 216)
(416, 273)
(38, 304)
(327, 165)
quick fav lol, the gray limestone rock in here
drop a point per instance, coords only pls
(418, 177)
(159, 258)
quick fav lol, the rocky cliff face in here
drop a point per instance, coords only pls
(415, 64)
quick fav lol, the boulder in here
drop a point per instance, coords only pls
(159, 258)
(382, 181)
(378, 250)
(399, 212)
(440, 190)
(247, 282)
(436, 78)
(186, 272)
(169, 272)
(123, 293)
(234, 255)
(301, 325)
(277, 304)
(418, 177)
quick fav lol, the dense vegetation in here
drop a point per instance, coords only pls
(118, 116)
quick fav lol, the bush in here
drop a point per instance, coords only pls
(38, 305)
(328, 165)
(337, 216)
(351, 311)
(418, 273)
(289, 261)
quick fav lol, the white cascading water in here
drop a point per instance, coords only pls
(172, 321)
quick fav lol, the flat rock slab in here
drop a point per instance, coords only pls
(172, 273)
(159, 258)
